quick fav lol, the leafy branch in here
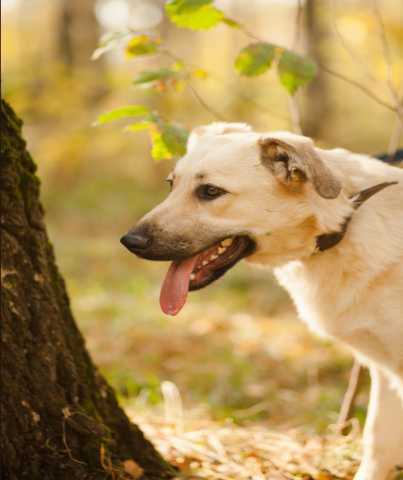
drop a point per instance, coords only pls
(168, 139)
(255, 59)
(293, 70)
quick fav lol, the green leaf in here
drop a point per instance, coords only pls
(153, 75)
(137, 126)
(193, 14)
(141, 45)
(168, 140)
(295, 70)
(121, 112)
(175, 138)
(255, 59)
(182, 7)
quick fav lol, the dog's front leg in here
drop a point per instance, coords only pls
(383, 433)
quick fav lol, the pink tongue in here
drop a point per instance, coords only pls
(175, 288)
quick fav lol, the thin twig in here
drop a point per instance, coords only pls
(195, 93)
(349, 396)
(246, 98)
(64, 438)
(343, 77)
(361, 87)
(386, 51)
(395, 138)
(203, 103)
(249, 34)
(397, 133)
(222, 81)
(354, 56)
(398, 128)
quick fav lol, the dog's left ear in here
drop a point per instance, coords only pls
(295, 165)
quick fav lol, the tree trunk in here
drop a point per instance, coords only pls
(317, 106)
(60, 419)
(78, 33)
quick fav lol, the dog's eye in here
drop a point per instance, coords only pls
(209, 192)
(282, 157)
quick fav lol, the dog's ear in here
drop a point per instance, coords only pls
(294, 165)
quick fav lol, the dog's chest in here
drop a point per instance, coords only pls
(331, 306)
(321, 300)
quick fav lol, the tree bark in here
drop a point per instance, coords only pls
(60, 419)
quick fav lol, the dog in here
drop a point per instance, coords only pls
(330, 225)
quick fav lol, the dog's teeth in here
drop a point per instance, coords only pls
(192, 276)
(227, 242)
(221, 250)
(204, 263)
(213, 257)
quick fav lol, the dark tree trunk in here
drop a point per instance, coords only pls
(59, 418)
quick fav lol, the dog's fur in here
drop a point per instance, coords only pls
(352, 292)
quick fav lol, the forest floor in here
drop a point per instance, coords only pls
(202, 448)
(212, 450)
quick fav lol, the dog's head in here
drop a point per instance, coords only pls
(235, 194)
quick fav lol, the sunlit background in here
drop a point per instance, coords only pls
(236, 350)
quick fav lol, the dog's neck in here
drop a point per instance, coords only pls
(328, 240)
(304, 241)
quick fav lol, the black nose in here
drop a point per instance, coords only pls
(136, 242)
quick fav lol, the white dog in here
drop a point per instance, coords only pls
(329, 222)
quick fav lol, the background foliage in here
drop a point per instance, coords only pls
(237, 350)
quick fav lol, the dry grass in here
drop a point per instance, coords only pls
(205, 449)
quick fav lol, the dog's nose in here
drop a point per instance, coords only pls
(136, 242)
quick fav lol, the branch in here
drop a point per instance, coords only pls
(195, 93)
(340, 76)
(395, 138)
(354, 56)
(204, 104)
(397, 132)
(386, 52)
(218, 79)
(349, 397)
(358, 85)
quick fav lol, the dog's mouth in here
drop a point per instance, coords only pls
(201, 269)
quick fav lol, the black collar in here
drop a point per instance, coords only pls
(329, 240)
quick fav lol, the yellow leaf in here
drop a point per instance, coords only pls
(178, 84)
(133, 469)
(141, 45)
(199, 73)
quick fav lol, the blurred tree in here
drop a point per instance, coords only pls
(317, 106)
(60, 417)
(78, 33)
